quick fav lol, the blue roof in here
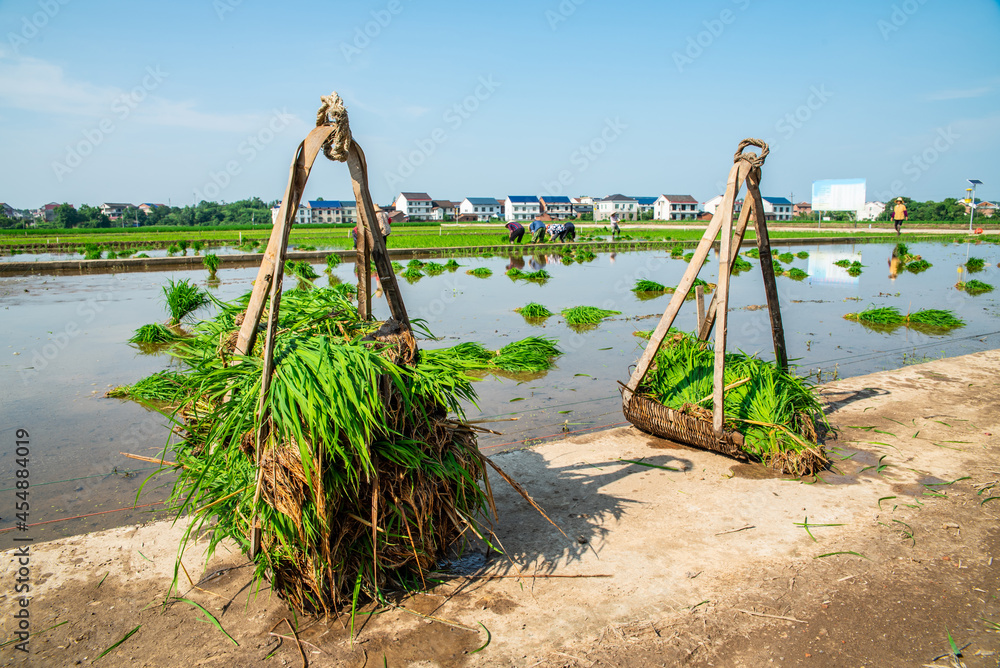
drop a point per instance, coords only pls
(556, 200)
(483, 201)
(777, 200)
(646, 201)
(325, 204)
(523, 199)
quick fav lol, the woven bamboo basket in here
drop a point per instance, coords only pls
(656, 419)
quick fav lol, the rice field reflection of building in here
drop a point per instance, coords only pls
(823, 270)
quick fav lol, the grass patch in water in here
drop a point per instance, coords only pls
(586, 315)
(533, 310)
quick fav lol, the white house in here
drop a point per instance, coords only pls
(522, 207)
(645, 204)
(113, 210)
(582, 205)
(675, 207)
(483, 208)
(711, 205)
(626, 207)
(871, 210)
(8, 210)
(559, 208)
(302, 217)
(777, 208)
(415, 206)
(442, 208)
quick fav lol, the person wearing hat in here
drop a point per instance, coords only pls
(899, 214)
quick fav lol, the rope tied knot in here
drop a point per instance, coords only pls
(332, 112)
(752, 158)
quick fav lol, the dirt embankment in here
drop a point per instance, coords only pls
(673, 556)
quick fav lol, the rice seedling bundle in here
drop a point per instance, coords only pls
(397, 267)
(365, 479)
(110, 255)
(797, 274)
(539, 276)
(935, 319)
(182, 298)
(198, 245)
(688, 257)
(739, 264)
(480, 272)
(514, 273)
(415, 263)
(975, 264)
(173, 249)
(883, 315)
(645, 285)
(918, 266)
(974, 287)
(332, 260)
(585, 255)
(889, 316)
(855, 268)
(533, 310)
(412, 274)
(142, 255)
(677, 251)
(777, 413)
(305, 248)
(92, 254)
(161, 386)
(211, 262)
(845, 263)
(586, 315)
(786, 258)
(802, 255)
(901, 250)
(778, 267)
(567, 259)
(434, 268)
(452, 265)
(154, 333)
(753, 252)
(302, 270)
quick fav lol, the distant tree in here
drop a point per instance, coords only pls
(8, 223)
(66, 216)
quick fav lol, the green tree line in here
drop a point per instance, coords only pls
(243, 212)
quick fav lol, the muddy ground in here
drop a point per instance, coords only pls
(705, 562)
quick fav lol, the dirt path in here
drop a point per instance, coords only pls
(702, 562)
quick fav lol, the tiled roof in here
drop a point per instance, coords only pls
(444, 204)
(618, 197)
(523, 199)
(416, 197)
(777, 200)
(681, 199)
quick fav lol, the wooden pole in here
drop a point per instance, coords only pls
(722, 315)
(699, 300)
(358, 166)
(737, 175)
(305, 156)
(767, 270)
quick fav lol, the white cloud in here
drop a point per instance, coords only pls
(31, 84)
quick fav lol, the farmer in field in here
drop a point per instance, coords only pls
(516, 231)
(537, 231)
(383, 223)
(894, 261)
(615, 230)
(899, 214)
(554, 230)
(568, 232)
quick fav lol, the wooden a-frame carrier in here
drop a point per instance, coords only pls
(656, 419)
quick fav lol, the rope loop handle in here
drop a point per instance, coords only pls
(752, 158)
(332, 112)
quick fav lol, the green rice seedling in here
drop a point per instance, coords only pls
(677, 251)
(855, 268)
(154, 333)
(802, 255)
(302, 270)
(845, 263)
(415, 263)
(529, 355)
(753, 252)
(797, 274)
(586, 315)
(514, 273)
(142, 255)
(776, 412)
(539, 276)
(412, 274)
(161, 386)
(645, 285)
(110, 255)
(183, 245)
(333, 260)
(975, 264)
(433, 268)
(974, 287)
(451, 265)
(883, 315)
(173, 249)
(901, 250)
(305, 247)
(935, 319)
(585, 255)
(480, 272)
(211, 262)
(786, 258)
(567, 259)
(197, 246)
(688, 257)
(778, 267)
(918, 266)
(92, 254)
(182, 298)
(775, 252)
(533, 310)
(397, 266)
(739, 264)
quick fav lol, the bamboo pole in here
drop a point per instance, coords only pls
(699, 300)
(737, 175)
(767, 270)
(302, 164)
(722, 293)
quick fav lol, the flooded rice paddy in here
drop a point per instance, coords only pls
(65, 343)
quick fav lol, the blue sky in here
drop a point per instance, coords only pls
(150, 102)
